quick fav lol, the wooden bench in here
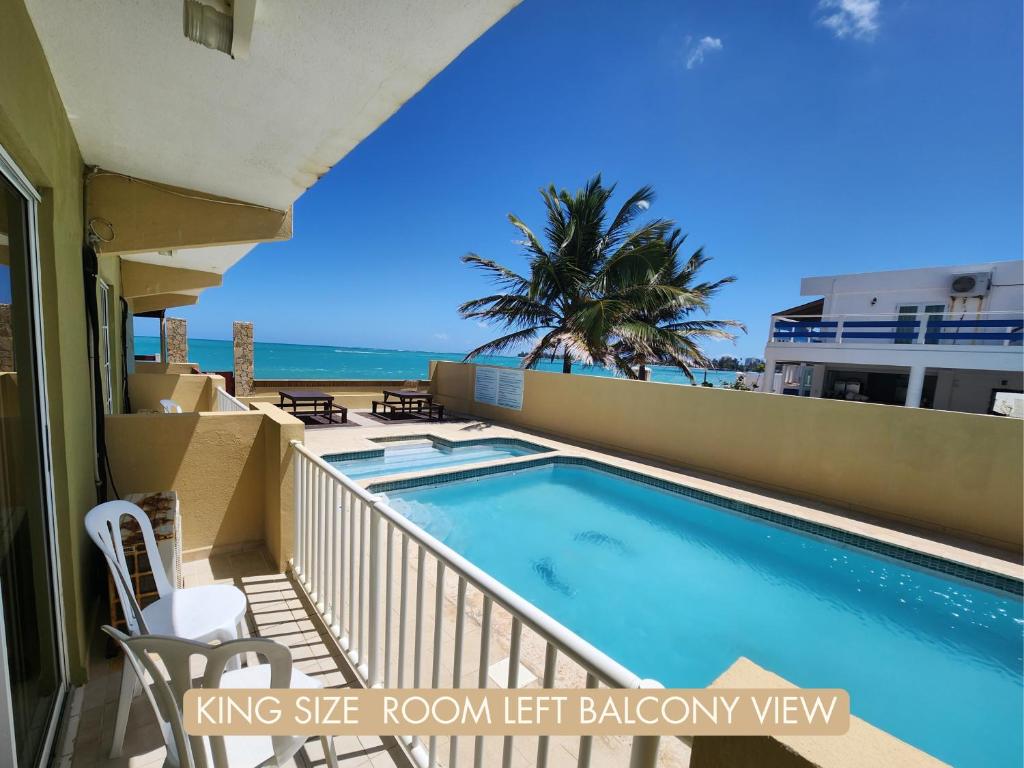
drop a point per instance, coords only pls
(312, 404)
(421, 410)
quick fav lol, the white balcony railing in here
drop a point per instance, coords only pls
(979, 329)
(226, 402)
(365, 568)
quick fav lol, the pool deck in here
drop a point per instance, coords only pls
(325, 441)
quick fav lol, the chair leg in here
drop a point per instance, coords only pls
(129, 684)
(330, 756)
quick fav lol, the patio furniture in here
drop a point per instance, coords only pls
(166, 661)
(407, 403)
(315, 404)
(213, 613)
(170, 406)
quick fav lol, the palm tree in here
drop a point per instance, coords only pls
(611, 295)
(567, 305)
(663, 333)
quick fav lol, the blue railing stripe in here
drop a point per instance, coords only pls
(879, 335)
(882, 324)
(806, 335)
(1011, 323)
(806, 323)
(930, 337)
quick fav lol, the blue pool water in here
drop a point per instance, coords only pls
(676, 590)
(414, 455)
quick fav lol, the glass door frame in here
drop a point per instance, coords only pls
(13, 175)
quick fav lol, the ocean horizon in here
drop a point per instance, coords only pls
(309, 361)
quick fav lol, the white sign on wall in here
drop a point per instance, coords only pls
(499, 386)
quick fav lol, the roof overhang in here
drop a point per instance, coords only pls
(242, 138)
(158, 301)
(810, 309)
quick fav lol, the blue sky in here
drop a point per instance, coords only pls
(789, 138)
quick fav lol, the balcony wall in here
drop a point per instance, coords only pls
(36, 133)
(193, 392)
(148, 366)
(956, 473)
(232, 473)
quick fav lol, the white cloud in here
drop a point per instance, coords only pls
(484, 326)
(441, 336)
(696, 53)
(850, 18)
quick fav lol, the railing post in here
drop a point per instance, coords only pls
(922, 329)
(839, 329)
(644, 752)
(297, 563)
(373, 631)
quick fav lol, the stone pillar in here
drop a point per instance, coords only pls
(6, 339)
(176, 333)
(915, 386)
(242, 334)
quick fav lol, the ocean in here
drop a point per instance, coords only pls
(305, 361)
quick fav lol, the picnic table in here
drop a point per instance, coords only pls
(399, 403)
(313, 402)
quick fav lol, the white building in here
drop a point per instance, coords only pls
(940, 337)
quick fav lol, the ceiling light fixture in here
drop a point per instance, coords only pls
(223, 25)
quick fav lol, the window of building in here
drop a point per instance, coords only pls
(103, 302)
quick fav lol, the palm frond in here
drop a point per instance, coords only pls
(502, 343)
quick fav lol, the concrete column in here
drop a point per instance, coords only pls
(176, 333)
(768, 378)
(242, 334)
(818, 380)
(915, 385)
(163, 341)
(801, 376)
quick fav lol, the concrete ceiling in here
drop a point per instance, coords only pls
(217, 259)
(321, 75)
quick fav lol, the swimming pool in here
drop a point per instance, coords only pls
(412, 453)
(689, 586)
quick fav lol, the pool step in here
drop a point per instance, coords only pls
(408, 458)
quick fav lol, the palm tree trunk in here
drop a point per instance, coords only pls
(566, 364)
(642, 372)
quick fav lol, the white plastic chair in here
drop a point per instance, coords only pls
(213, 613)
(170, 406)
(167, 660)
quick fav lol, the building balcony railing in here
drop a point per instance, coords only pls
(368, 572)
(983, 329)
(225, 402)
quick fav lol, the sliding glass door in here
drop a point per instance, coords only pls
(32, 671)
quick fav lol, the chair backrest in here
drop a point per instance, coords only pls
(103, 524)
(170, 406)
(167, 660)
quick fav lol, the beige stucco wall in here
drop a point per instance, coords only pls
(215, 462)
(147, 366)
(953, 472)
(35, 131)
(279, 429)
(192, 391)
(862, 745)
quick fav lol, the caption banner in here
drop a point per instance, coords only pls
(552, 712)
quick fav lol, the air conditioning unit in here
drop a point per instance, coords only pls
(973, 284)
